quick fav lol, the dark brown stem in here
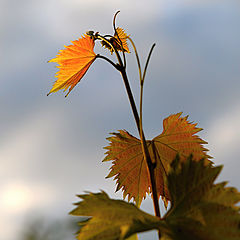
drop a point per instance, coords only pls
(108, 60)
(130, 96)
(116, 33)
(146, 65)
(151, 166)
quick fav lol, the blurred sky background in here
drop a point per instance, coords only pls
(51, 147)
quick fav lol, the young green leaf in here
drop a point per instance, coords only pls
(111, 219)
(201, 210)
(129, 167)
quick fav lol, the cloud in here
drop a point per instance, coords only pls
(28, 138)
(51, 148)
(33, 166)
(223, 135)
(18, 197)
(224, 132)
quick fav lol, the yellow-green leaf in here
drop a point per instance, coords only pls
(200, 209)
(111, 219)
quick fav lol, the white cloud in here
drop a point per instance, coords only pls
(224, 131)
(40, 143)
(23, 145)
(18, 197)
(223, 135)
(144, 8)
(28, 139)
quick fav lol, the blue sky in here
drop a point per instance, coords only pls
(51, 147)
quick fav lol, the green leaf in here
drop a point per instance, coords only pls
(201, 210)
(111, 219)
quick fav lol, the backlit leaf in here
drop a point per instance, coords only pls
(200, 209)
(73, 62)
(119, 34)
(111, 219)
(130, 169)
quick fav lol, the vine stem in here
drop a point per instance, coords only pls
(150, 164)
(107, 59)
(121, 67)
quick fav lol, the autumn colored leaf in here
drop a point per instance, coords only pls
(74, 62)
(129, 167)
(111, 219)
(200, 209)
(119, 34)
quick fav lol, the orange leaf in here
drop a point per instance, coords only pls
(74, 62)
(129, 167)
(123, 38)
(119, 34)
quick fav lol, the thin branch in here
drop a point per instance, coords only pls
(113, 47)
(106, 41)
(107, 35)
(138, 60)
(115, 30)
(146, 65)
(114, 19)
(150, 165)
(122, 68)
(108, 60)
(130, 97)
